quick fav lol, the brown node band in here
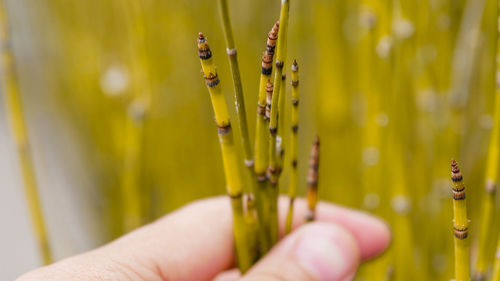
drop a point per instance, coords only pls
(294, 163)
(456, 178)
(459, 195)
(295, 102)
(295, 83)
(235, 196)
(279, 64)
(295, 128)
(273, 130)
(223, 130)
(204, 54)
(261, 109)
(212, 80)
(461, 233)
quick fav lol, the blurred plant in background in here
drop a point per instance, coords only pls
(117, 110)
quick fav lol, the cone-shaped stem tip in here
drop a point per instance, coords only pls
(201, 37)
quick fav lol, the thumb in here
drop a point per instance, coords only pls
(316, 251)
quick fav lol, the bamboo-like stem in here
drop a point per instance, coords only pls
(15, 113)
(460, 225)
(262, 140)
(234, 181)
(238, 89)
(496, 267)
(273, 119)
(281, 137)
(132, 191)
(312, 181)
(294, 123)
(486, 233)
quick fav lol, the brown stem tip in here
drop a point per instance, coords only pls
(456, 175)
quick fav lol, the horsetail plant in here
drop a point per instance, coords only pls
(246, 254)
(294, 120)
(488, 202)
(238, 88)
(312, 181)
(273, 170)
(262, 137)
(460, 225)
(15, 113)
(496, 266)
(280, 138)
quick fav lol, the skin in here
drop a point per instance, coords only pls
(195, 243)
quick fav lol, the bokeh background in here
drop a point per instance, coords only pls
(393, 88)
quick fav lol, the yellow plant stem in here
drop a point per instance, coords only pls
(15, 113)
(238, 89)
(496, 267)
(281, 137)
(312, 181)
(460, 225)
(273, 119)
(486, 233)
(135, 197)
(262, 141)
(294, 121)
(245, 252)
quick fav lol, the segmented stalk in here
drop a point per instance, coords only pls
(238, 89)
(262, 140)
(460, 225)
(496, 267)
(294, 121)
(312, 181)
(281, 137)
(19, 131)
(488, 204)
(273, 120)
(234, 181)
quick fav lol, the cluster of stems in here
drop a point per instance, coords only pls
(255, 204)
(20, 135)
(460, 225)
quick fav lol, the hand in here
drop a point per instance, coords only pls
(196, 243)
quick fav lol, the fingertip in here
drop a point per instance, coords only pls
(327, 250)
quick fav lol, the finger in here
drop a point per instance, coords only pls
(371, 233)
(317, 251)
(196, 243)
(228, 275)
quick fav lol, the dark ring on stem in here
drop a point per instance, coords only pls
(212, 81)
(294, 163)
(223, 130)
(279, 64)
(205, 54)
(295, 102)
(295, 128)
(459, 195)
(261, 109)
(461, 233)
(456, 179)
(295, 83)
(267, 71)
(273, 130)
(235, 196)
(283, 77)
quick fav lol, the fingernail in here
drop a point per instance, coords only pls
(327, 251)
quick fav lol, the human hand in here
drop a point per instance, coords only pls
(196, 243)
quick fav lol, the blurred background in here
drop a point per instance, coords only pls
(114, 103)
